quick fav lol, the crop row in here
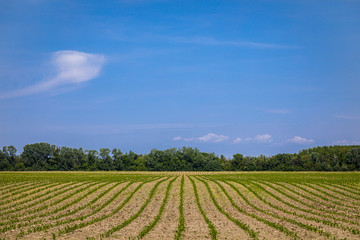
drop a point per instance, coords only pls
(103, 209)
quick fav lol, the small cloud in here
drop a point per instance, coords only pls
(260, 138)
(72, 67)
(265, 138)
(300, 140)
(210, 137)
(341, 142)
(348, 117)
(238, 140)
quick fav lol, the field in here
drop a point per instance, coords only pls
(179, 205)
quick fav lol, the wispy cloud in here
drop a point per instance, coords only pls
(210, 137)
(300, 140)
(212, 41)
(203, 40)
(349, 117)
(72, 68)
(264, 138)
(238, 140)
(260, 138)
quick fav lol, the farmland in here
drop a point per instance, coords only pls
(179, 205)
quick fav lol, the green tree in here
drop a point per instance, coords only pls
(10, 154)
(36, 156)
(106, 160)
(92, 159)
(353, 159)
(117, 156)
(4, 162)
(237, 163)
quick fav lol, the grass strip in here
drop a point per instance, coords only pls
(343, 193)
(327, 202)
(78, 199)
(333, 223)
(6, 188)
(23, 195)
(147, 228)
(15, 218)
(271, 224)
(17, 190)
(68, 229)
(346, 189)
(212, 229)
(332, 196)
(23, 206)
(134, 216)
(316, 208)
(181, 227)
(295, 199)
(353, 187)
(46, 206)
(44, 227)
(86, 205)
(302, 225)
(242, 225)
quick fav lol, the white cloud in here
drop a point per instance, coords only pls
(72, 67)
(238, 140)
(265, 138)
(210, 137)
(300, 140)
(260, 138)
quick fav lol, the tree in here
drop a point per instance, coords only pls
(106, 161)
(237, 163)
(4, 162)
(67, 159)
(92, 159)
(10, 154)
(353, 159)
(81, 159)
(117, 159)
(36, 156)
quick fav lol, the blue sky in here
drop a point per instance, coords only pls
(250, 77)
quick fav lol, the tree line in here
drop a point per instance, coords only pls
(47, 157)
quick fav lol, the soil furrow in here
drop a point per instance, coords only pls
(166, 227)
(195, 226)
(226, 228)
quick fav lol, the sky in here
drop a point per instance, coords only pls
(251, 77)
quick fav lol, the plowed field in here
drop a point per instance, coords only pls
(179, 205)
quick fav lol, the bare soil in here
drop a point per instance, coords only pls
(98, 223)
